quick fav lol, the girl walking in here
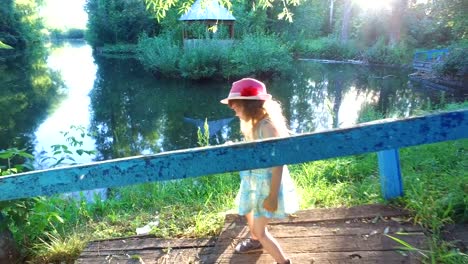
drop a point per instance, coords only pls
(264, 193)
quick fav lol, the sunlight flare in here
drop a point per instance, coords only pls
(374, 5)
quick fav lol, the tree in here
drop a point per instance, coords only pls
(396, 18)
(118, 21)
(160, 7)
(345, 21)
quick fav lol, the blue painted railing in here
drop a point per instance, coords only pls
(384, 137)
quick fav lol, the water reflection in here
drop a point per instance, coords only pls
(74, 62)
(134, 113)
(28, 91)
(130, 112)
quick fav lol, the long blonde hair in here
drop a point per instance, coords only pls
(255, 111)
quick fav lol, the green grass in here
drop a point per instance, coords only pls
(435, 184)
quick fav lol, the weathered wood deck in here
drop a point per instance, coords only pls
(336, 235)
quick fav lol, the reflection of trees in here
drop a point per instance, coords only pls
(318, 92)
(27, 87)
(134, 113)
(28, 91)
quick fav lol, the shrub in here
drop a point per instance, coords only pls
(326, 48)
(204, 59)
(159, 54)
(455, 64)
(258, 54)
(380, 53)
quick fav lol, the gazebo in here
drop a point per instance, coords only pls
(210, 13)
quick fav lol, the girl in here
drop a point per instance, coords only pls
(264, 193)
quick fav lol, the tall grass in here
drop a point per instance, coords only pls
(258, 54)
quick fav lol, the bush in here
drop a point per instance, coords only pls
(159, 54)
(326, 48)
(258, 54)
(204, 59)
(456, 63)
(211, 58)
(380, 53)
(75, 33)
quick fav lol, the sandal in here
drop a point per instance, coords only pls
(249, 245)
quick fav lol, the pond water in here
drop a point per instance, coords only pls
(127, 111)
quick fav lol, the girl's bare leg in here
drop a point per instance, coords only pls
(250, 223)
(269, 243)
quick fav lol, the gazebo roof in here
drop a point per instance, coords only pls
(207, 10)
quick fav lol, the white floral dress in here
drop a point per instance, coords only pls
(255, 187)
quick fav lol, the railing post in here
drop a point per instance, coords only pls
(390, 173)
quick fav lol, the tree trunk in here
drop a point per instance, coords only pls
(331, 16)
(345, 22)
(396, 21)
(8, 250)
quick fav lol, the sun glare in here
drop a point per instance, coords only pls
(374, 4)
(64, 14)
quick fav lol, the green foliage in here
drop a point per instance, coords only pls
(456, 63)
(380, 53)
(75, 33)
(204, 137)
(197, 30)
(5, 46)
(159, 54)
(119, 49)
(204, 59)
(61, 153)
(258, 54)
(20, 25)
(325, 48)
(369, 113)
(161, 7)
(117, 21)
(58, 248)
(211, 58)
(72, 33)
(12, 168)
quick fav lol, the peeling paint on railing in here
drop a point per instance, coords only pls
(364, 138)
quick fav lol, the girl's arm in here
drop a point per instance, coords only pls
(271, 202)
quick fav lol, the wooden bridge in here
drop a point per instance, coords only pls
(360, 234)
(339, 235)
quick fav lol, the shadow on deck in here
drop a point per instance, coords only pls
(335, 235)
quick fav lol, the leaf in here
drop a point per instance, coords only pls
(58, 217)
(26, 155)
(5, 155)
(5, 46)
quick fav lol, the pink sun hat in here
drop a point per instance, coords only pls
(247, 89)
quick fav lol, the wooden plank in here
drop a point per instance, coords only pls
(366, 257)
(148, 243)
(146, 256)
(364, 138)
(335, 243)
(357, 235)
(326, 229)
